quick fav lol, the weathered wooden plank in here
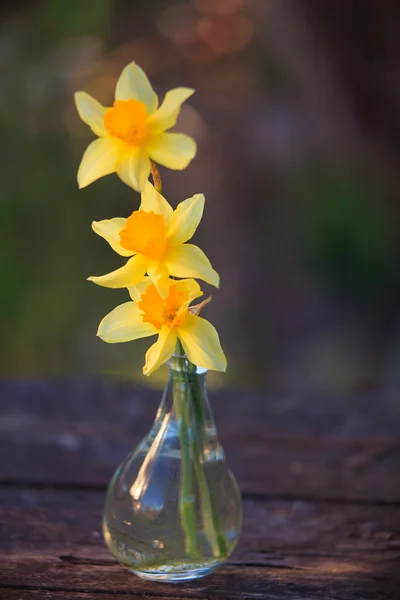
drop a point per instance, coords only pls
(68, 524)
(50, 540)
(7, 593)
(43, 442)
(72, 436)
(307, 467)
(315, 578)
(24, 403)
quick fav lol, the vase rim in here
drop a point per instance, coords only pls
(173, 366)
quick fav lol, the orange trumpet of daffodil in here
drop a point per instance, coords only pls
(154, 237)
(166, 313)
(133, 131)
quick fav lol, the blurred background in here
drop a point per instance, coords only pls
(297, 119)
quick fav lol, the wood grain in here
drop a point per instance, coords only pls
(296, 447)
(319, 476)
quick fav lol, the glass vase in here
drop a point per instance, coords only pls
(173, 508)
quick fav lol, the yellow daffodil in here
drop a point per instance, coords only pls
(155, 238)
(133, 131)
(168, 315)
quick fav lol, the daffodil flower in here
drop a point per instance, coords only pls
(133, 131)
(169, 316)
(155, 238)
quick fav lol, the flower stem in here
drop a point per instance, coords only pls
(187, 506)
(209, 512)
(155, 173)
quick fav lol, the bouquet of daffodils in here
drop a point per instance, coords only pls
(162, 267)
(160, 274)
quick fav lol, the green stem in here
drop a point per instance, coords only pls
(209, 512)
(187, 506)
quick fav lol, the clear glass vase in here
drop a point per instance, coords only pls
(173, 508)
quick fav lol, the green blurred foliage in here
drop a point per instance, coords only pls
(66, 18)
(351, 234)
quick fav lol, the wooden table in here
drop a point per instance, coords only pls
(320, 479)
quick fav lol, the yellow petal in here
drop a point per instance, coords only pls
(157, 271)
(161, 351)
(109, 230)
(153, 201)
(91, 112)
(127, 275)
(189, 261)
(165, 117)
(185, 219)
(189, 287)
(135, 291)
(201, 343)
(134, 84)
(101, 158)
(172, 150)
(134, 169)
(124, 324)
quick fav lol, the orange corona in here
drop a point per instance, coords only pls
(163, 311)
(145, 233)
(127, 120)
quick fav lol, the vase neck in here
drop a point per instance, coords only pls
(185, 394)
(179, 363)
(184, 418)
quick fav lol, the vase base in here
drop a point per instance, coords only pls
(172, 575)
